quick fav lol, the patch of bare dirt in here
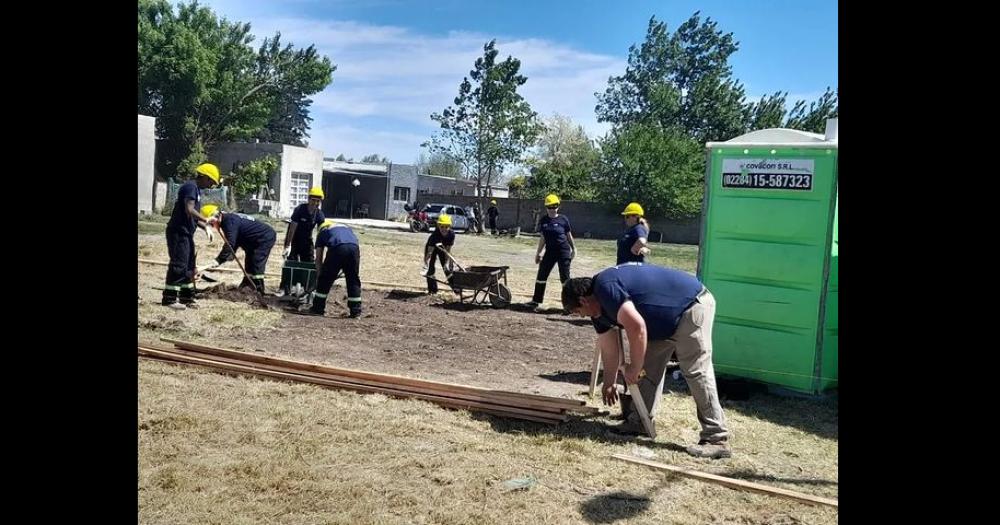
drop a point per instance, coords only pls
(436, 337)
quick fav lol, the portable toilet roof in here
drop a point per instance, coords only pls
(784, 137)
(769, 253)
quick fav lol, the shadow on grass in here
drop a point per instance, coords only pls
(614, 506)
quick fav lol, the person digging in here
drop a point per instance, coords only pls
(344, 255)
(242, 231)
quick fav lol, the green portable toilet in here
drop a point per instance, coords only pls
(768, 253)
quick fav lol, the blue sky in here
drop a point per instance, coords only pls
(399, 61)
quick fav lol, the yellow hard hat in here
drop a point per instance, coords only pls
(633, 208)
(326, 224)
(493, 201)
(210, 171)
(209, 210)
(552, 200)
(317, 192)
(444, 220)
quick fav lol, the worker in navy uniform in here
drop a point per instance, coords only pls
(243, 231)
(444, 236)
(663, 311)
(634, 243)
(557, 243)
(179, 290)
(298, 239)
(344, 255)
(493, 213)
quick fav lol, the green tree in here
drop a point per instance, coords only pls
(375, 158)
(249, 177)
(661, 169)
(771, 112)
(564, 162)
(440, 165)
(204, 83)
(676, 94)
(679, 81)
(814, 118)
(490, 125)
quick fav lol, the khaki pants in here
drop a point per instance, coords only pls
(692, 343)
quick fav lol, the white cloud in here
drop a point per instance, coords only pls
(390, 79)
(356, 142)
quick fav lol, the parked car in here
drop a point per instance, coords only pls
(459, 219)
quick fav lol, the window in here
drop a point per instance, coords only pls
(401, 193)
(301, 182)
(459, 211)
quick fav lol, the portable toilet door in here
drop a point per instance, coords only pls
(768, 253)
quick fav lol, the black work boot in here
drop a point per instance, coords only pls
(171, 298)
(186, 296)
(319, 305)
(259, 283)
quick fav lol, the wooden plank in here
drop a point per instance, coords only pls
(731, 482)
(497, 412)
(386, 384)
(249, 369)
(235, 369)
(568, 404)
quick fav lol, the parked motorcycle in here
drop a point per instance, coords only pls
(417, 219)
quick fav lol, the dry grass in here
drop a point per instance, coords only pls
(221, 449)
(242, 450)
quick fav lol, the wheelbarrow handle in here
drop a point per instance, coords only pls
(441, 247)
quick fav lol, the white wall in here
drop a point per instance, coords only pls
(147, 154)
(303, 160)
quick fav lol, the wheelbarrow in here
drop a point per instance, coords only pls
(479, 284)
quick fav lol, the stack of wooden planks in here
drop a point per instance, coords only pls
(531, 407)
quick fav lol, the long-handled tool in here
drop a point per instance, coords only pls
(595, 367)
(638, 403)
(441, 247)
(260, 293)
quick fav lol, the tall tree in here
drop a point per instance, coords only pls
(662, 169)
(814, 119)
(440, 165)
(200, 77)
(564, 161)
(679, 81)
(676, 94)
(490, 125)
(771, 112)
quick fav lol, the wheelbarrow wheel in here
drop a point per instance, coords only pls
(500, 296)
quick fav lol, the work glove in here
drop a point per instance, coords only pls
(424, 270)
(210, 235)
(287, 252)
